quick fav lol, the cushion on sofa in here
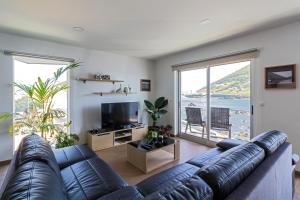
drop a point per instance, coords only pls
(270, 140)
(34, 180)
(166, 178)
(126, 193)
(230, 143)
(90, 179)
(34, 147)
(73, 154)
(204, 158)
(229, 169)
(189, 188)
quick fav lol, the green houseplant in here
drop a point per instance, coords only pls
(156, 110)
(41, 117)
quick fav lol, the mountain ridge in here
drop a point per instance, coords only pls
(237, 83)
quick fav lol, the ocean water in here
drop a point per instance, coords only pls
(239, 111)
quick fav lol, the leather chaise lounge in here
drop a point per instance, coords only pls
(260, 169)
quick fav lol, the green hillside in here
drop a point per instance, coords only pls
(237, 83)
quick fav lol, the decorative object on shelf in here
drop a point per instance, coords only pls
(145, 85)
(98, 76)
(156, 110)
(129, 88)
(280, 77)
(105, 77)
(84, 80)
(119, 90)
(126, 90)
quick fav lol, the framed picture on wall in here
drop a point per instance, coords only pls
(280, 76)
(145, 85)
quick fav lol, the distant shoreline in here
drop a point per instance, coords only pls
(224, 96)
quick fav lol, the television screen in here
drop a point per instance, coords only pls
(119, 115)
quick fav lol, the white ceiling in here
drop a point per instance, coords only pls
(142, 28)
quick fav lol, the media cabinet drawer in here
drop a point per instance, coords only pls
(98, 142)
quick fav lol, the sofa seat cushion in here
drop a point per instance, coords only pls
(230, 143)
(166, 178)
(90, 179)
(34, 180)
(126, 193)
(73, 154)
(187, 189)
(229, 169)
(204, 158)
(270, 140)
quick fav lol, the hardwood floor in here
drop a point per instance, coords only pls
(116, 158)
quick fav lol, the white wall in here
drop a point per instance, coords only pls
(278, 46)
(84, 107)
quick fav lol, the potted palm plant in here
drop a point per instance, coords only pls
(41, 117)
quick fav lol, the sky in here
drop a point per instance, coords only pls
(28, 74)
(196, 79)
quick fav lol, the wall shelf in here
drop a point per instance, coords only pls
(112, 93)
(84, 80)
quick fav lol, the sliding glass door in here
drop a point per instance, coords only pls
(193, 102)
(215, 102)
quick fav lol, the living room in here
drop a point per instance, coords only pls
(124, 56)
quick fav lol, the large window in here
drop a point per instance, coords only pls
(215, 101)
(26, 71)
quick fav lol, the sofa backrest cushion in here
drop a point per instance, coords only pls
(230, 143)
(33, 147)
(34, 180)
(190, 188)
(270, 141)
(229, 169)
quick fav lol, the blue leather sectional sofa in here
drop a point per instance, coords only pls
(260, 169)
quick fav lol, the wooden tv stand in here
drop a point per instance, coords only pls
(109, 139)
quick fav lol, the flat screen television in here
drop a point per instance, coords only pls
(119, 115)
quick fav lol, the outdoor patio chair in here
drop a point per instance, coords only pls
(220, 119)
(194, 118)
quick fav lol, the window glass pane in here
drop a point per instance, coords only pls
(27, 74)
(230, 101)
(194, 102)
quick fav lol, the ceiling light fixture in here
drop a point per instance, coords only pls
(78, 29)
(205, 21)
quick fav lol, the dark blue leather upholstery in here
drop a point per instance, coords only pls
(83, 175)
(90, 179)
(230, 143)
(126, 193)
(187, 189)
(35, 148)
(229, 169)
(204, 158)
(270, 140)
(34, 180)
(167, 178)
(73, 154)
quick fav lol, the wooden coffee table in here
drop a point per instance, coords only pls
(159, 155)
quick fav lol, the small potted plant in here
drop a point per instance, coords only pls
(156, 110)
